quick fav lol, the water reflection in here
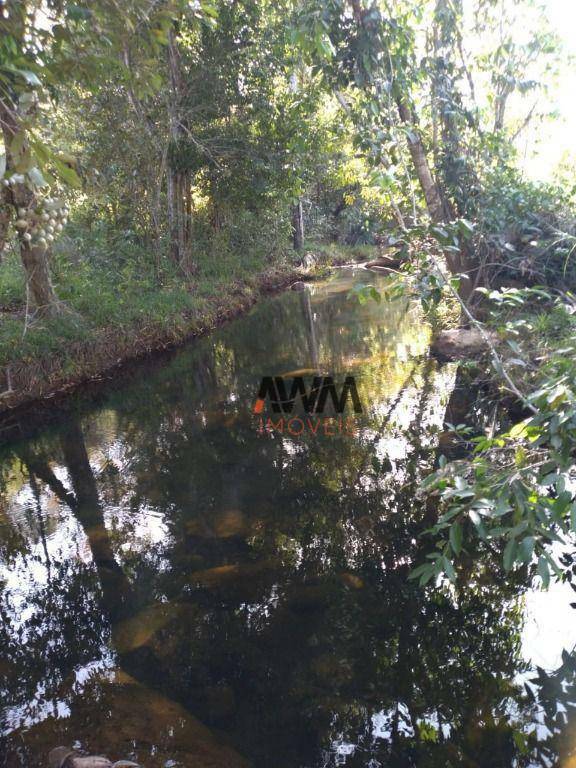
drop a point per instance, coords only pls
(175, 586)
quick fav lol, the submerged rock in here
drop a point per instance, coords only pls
(62, 757)
(232, 575)
(224, 525)
(462, 344)
(141, 629)
(351, 580)
(229, 523)
(127, 721)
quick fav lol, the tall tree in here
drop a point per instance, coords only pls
(371, 28)
(23, 181)
(179, 192)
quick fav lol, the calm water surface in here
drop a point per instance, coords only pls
(179, 589)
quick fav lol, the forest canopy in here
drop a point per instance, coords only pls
(164, 131)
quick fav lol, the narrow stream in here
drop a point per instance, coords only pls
(182, 587)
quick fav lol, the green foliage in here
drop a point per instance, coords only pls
(515, 491)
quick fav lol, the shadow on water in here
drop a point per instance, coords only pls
(179, 588)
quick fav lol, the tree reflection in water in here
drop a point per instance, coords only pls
(173, 584)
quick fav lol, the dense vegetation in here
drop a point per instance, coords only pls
(160, 158)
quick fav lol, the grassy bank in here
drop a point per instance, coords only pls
(114, 315)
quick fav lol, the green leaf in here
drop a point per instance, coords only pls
(449, 569)
(420, 571)
(456, 537)
(520, 741)
(66, 174)
(209, 9)
(529, 693)
(30, 77)
(518, 431)
(466, 228)
(426, 577)
(544, 571)
(376, 295)
(510, 554)
(439, 233)
(41, 151)
(527, 549)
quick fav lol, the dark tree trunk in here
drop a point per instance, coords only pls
(298, 226)
(117, 591)
(84, 501)
(179, 194)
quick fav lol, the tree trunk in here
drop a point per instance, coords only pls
(41, 293)
(458, 178)
(397, 213)
(298, 226)
(172, 215)
(179, 219)
(42, 299)
(500, 107)
(437, 208)
(179, 199)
